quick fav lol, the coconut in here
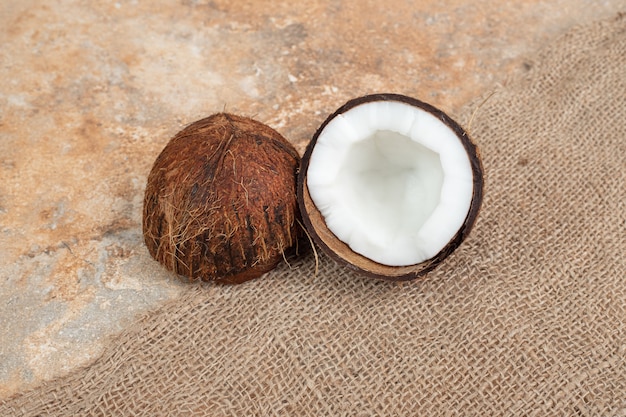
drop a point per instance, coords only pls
(220, 200)
(390, 186)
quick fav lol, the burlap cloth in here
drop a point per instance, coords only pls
(528, 317)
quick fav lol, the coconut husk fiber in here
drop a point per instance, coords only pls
(527, 317)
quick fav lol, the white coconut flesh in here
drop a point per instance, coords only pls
(392, 181)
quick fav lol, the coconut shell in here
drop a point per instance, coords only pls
(340, 251)
(220, 201)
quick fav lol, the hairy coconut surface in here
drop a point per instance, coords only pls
(220, 201)
(390, 186)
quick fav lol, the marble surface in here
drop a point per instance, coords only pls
(92, 91)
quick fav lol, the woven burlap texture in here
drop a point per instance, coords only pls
(528, 317)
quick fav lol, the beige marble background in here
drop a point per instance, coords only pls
(91, 92)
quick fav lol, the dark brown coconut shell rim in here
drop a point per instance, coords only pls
(341, 252)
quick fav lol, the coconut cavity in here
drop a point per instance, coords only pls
(391, 180)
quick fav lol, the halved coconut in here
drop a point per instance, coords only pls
(390, 186)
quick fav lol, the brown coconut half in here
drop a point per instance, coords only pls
(390, 186)
(220, 201)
